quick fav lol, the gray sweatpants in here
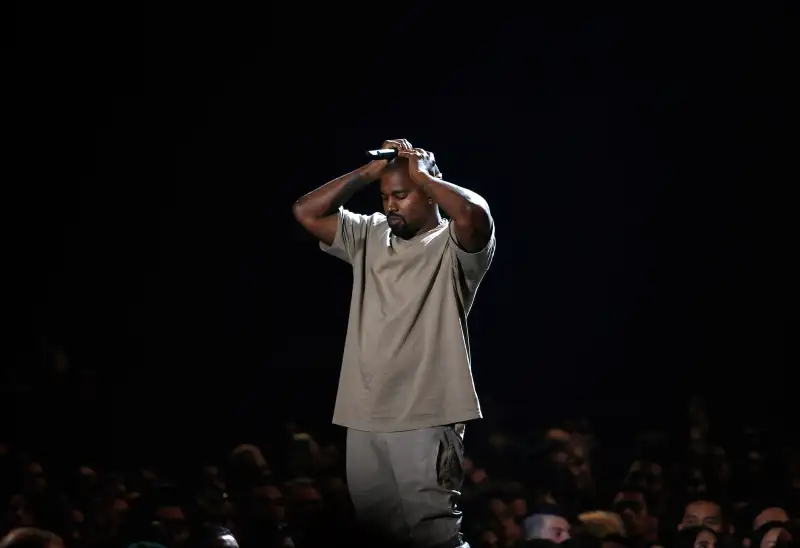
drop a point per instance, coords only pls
(406, 484)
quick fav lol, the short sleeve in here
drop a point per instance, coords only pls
(473, 265)
(351, 236)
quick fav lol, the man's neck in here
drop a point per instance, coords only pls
(435, 221)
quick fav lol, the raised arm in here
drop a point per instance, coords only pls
(318, 211)
(469, 212)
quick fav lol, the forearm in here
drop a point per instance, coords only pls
(326, 199)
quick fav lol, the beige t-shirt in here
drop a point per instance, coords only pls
(406, 358)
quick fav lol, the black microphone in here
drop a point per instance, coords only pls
(382, 154)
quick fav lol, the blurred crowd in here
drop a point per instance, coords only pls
(559, 483)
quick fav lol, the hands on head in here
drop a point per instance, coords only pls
(420, 162)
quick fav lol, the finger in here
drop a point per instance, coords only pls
(425, 153)
(391, 143)
(397, 144)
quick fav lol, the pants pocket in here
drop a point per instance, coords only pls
(449, 468)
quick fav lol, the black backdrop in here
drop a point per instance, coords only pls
(634, 160)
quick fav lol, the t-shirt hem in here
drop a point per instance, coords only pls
(392, 425)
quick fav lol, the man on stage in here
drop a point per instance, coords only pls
(406, 388)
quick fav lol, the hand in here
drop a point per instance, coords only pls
(397, 144)
(373, 169)
(420, 163)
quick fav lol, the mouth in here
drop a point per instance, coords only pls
(394, 219)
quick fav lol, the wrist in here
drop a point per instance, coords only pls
(423, 179)
(372, 171)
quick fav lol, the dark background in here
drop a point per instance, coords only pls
(633, 158)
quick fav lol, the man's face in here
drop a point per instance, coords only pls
(519, 507)
(119, 510)
(556, 529)
(632, 508)
(497, 507)
(269, 503)
(645, 474)
(174, 522)
(579, 467)
(705, 539)
(305, 502)
(702, 512)
(405, 204)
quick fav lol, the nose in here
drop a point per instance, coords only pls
(391, 204)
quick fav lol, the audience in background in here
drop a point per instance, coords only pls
(560, 484)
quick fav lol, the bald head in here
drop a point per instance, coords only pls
(31, 537)
(554, 528)
(771, 513)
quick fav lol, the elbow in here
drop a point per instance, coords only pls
(474, 212)
(298, 211)
(474, 228)
(301, 215)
